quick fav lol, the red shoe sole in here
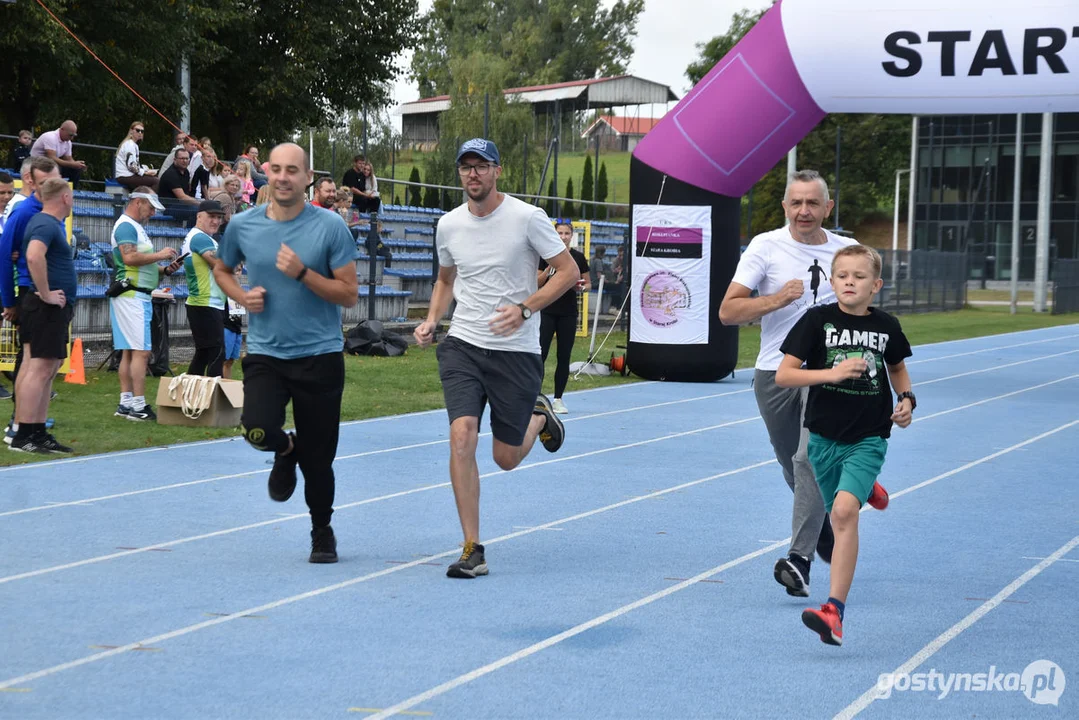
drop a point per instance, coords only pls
(816, 623)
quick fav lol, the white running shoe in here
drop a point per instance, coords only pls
(559, 406)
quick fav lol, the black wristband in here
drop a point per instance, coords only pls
(299, 278)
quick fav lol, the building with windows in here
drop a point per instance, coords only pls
(965, 186)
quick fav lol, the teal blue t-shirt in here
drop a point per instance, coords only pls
(295, 322)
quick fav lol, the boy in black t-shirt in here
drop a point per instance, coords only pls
(845, 347)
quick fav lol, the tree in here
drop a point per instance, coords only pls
(477, 78)
(601, 186)
(260, 71)
(548, 205)
(569, 210)
(413, 192)
(430, 196)
(541, 41)
(872, 148)
(587, 186)
(717, 48)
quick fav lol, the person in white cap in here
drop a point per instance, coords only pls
(137, 275)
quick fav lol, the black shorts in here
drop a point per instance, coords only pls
(473, 377)
(45, 327)
(207, 326)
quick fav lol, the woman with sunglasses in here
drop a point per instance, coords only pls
(129, 172)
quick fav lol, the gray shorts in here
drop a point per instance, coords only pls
(473, 377)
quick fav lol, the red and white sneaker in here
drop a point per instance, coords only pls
(825, 622)
(878, 496)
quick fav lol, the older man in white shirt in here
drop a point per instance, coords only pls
(56, 145)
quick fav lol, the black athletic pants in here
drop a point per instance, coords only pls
(565, 326)
(314, 385)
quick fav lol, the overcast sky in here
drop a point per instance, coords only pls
(667, 34)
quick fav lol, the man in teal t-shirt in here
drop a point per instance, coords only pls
(301, 269)
(205, 299)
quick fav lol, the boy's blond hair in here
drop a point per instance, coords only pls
(863, 251)
(52, 189)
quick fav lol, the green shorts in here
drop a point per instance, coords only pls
(853, 467)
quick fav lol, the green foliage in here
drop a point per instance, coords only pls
(587, 186)
(260, 71)
(601, 190)
(539, 41)
(430, 197)
(475, 78)
(548, 205)
(569, 209)
(715, 49)
(413, 192)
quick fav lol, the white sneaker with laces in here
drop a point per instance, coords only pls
(559, 406)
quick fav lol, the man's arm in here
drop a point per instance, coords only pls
(65, 161)
(441, 295)
(902, 415)
(565, 277)
(7, 274)
(184, 197)
(341, 289)
(739, 308)
(134, 258)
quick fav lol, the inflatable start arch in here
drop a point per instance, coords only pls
(804, 59)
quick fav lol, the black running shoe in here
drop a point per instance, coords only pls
(471, 564)
(792, 572)
(146, 414)
(282, 481)
(49, 443)
(122, 411)
(27, 444)
(554, 432)
(826, 541)
(323, 545)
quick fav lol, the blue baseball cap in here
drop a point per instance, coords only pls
(478, 146)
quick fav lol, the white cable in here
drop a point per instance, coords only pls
(629, 291)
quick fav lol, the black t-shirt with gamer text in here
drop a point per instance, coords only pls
(861, 407)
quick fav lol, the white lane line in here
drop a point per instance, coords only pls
(869, 696)
(998, 367)
(607, 617)
(363, 578)
(385, 418)
(351, 456)
(992, 349)
(997, 397)
(1068, 326)
(367, 501)
(1024, 557)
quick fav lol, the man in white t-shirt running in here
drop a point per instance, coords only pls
(488, 252)
(784, 266)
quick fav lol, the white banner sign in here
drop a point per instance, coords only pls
(672, 250)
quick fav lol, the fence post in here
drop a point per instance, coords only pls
(372, 259)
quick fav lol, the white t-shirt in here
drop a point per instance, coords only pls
(773, 259)
(15, 200)
(50, 141)
(497, 257)
(126, 158)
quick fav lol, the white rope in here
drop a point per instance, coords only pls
(629, 291)
(195, 393)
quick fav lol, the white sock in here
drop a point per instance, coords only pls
(125, 399)
(138, 402)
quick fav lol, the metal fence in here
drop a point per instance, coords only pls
(923, 281)
(1065, 287)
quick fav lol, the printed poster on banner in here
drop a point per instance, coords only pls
(672, 249)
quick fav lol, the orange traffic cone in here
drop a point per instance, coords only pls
(77, 373)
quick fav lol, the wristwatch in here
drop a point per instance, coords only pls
(526, 312)
(909, 396)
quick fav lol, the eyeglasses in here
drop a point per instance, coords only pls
(138, 129)
(480, 168)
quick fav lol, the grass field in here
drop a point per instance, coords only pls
(389, 386)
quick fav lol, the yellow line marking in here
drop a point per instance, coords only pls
(379, 709)
(15, 690)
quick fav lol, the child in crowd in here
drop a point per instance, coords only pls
(845, 347)
(247, 185)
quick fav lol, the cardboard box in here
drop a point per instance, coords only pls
(226, 405)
